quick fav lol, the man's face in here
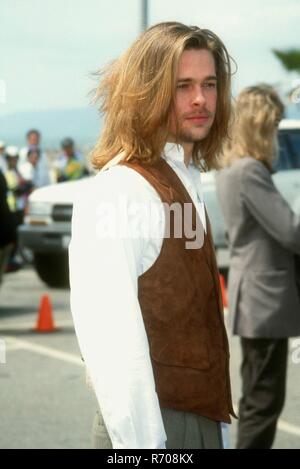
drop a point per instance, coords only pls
(33, 158)
(196, 97)
(33, 139)
(12, 162)
(68, 151)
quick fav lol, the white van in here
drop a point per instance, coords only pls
(47, 227)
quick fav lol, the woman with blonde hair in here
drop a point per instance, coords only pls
(264, 236)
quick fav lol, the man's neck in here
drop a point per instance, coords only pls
(188, 150)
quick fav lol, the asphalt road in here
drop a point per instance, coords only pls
(44, 401)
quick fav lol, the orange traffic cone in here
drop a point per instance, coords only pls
(45, 322)
(223, 290)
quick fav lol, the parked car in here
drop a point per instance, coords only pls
(47, 230)
(47, 227)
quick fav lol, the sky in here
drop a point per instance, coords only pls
(49, 48)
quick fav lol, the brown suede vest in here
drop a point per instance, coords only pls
(182, 310)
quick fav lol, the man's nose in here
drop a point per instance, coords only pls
(199, 97)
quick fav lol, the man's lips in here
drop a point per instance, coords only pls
(198, 118)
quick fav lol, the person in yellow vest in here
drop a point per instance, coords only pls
(69, 165)
(8, 233)
(145, 293)
(3, 166)
(18, 190)
(18, 187)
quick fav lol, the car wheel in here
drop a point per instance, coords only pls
(26, 254)
(53, 269)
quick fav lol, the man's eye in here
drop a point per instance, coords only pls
(210, 84)
(182, 86)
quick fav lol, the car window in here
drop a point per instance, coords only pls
(289, 154)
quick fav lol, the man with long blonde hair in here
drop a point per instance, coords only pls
(145, 294)
(264, 237)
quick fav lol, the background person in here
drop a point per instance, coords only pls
(69, 165)
(18, 187)
(41, 174)
(3, 165)
(33, 139)
(264, 235)
(8, 235)
(18, 190)
(35, 170)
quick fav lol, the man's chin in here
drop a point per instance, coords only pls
(194, 137)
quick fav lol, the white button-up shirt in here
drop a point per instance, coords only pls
(117, 236)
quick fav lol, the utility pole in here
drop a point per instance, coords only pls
(144, 21)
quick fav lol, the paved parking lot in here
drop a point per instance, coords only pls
(44, 399)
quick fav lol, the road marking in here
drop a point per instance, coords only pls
(14, 343)
(41, 349)
(288, 427)
(11, 347)
(281, 425)
(29, 325)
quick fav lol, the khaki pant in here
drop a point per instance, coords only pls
(184, 430)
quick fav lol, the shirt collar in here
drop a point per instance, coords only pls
(114, 161)
(174, 153)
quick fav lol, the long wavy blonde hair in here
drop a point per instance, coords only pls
(137, 95)
(253, 130)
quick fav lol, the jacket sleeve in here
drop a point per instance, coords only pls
(268, 207)
(109, 324)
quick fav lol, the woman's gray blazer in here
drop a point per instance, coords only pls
(264, 236)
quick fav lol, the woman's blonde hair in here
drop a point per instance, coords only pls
(137, 95)
(253, 131)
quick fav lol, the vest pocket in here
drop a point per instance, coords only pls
(188, 353)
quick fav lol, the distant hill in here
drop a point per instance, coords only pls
(82, 124)
(292, 111)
